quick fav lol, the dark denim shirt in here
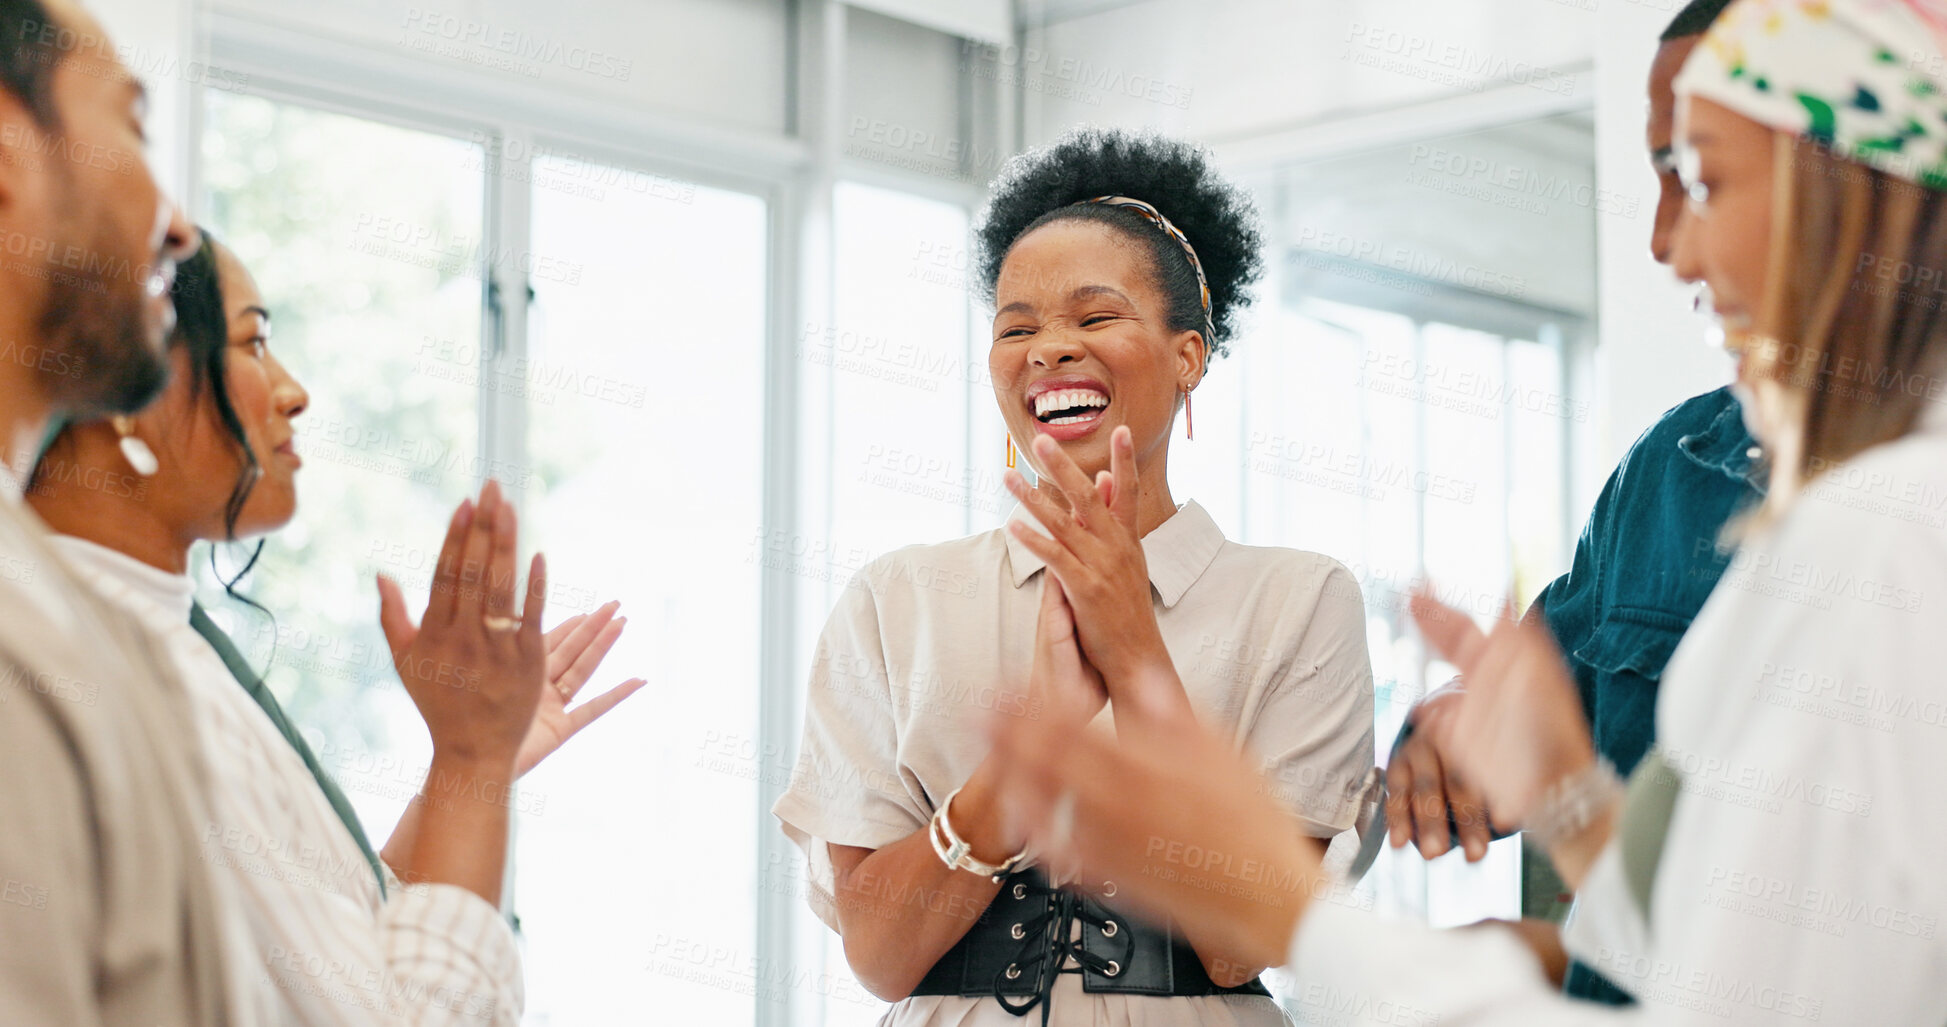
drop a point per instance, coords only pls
(1646, 562)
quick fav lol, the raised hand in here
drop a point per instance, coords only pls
(1097, 553)
(1063, 685)
(1520, 729)
(576, 647)
(474, 671)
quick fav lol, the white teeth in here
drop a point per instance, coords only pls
(1065, 399)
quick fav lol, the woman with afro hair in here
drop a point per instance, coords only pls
(1117, 266)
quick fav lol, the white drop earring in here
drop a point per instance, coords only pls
(140, 457)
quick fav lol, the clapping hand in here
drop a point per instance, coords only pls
(1519, 729)
(474, 671)
(1095, 549)
(576, 647)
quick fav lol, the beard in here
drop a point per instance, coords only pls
(98, 318)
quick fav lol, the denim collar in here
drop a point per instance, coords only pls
(1727, 447)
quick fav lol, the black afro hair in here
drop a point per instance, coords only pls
(1175, 177)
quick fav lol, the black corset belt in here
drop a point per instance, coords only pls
(1026, 939)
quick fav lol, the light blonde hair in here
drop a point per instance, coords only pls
(1855, 309)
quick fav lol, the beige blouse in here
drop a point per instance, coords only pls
(1270, 644)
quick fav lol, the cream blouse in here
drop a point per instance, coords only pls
(927, 640)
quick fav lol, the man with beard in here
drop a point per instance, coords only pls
(108, 914)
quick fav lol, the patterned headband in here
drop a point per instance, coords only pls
(1155, 217)
(1866, 78)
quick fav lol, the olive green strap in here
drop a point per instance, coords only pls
(247, 677)
(1648, 805)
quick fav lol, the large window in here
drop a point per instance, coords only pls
(627, 419)
(366, 240)
(905, 412)
(645, 398)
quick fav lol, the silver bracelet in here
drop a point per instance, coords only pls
(1571, 804)
(957, 854)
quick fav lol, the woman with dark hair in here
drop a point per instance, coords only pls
(1118, 266)
(1774, 857)
(345, 936)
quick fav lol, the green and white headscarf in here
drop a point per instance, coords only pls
(1867, 78)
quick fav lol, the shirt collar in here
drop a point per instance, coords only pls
(1178, 551)
(170, 593)
(1726, 446)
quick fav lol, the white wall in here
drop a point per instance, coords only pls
(721, 61)
(155, 39)
(1652, 354)
(1220, 70)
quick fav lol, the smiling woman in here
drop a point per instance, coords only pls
(1117, 265)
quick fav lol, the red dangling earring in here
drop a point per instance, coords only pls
(1010, 450)
(1189, 420)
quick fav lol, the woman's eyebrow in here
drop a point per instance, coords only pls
(259, 311)
(1088, 291)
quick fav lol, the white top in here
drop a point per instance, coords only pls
(1270, 644)
(334, 951)
(1800, 881)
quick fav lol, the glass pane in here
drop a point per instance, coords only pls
(644, 383)
(899, 359)
(901, 372)
(366, 242)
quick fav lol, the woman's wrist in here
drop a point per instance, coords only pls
(460, 773)
(1575, 854)
(1140, 656)
(1576, 809)
(976, 818)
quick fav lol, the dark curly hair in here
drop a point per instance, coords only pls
(1175, 177)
